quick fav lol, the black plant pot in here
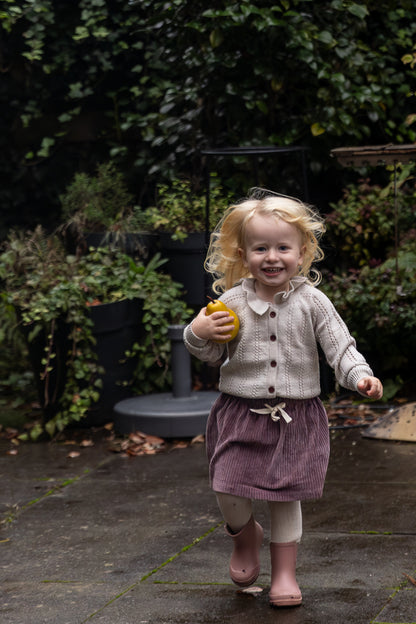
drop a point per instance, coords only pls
(117, 326)
(186, 265)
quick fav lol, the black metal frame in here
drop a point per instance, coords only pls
(252, 152)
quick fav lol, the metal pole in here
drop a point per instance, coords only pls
(180, 363)
(396, 226)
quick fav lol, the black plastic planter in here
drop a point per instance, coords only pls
(117, 326)
(186, 265)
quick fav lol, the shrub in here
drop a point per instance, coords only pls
(51, 292)
(374, 284)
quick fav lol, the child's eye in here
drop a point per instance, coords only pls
(261, 248)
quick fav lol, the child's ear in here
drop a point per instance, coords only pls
(242, 255)
(301, 255)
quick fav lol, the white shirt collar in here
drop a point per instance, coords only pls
(258, 305)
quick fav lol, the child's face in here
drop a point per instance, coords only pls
(273, 253)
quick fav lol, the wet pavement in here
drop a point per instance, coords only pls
(105, 538)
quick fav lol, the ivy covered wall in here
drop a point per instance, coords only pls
(147, 83)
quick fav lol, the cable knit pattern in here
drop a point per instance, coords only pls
(275, 353)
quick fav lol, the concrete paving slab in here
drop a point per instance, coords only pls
(185, 604)
(39, 602)
(39, 468)
(117, 519)
(400, 608)
(140, 540)
(367, 508)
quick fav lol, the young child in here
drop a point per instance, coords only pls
(267, 434)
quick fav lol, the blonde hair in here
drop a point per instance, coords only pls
(223, 259)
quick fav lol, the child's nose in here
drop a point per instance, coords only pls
(272, 255)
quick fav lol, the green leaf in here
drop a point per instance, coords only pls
(326, 37)
(359, 10)
(65, 117)
(216, 38)
(36, 431)
(47, 143)
(317, 129)
(80, 33)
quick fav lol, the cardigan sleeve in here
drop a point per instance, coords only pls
(205, 350)
(338, 345)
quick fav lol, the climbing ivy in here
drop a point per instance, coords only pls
(147, 83)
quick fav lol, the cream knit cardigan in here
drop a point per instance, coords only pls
(275, 353)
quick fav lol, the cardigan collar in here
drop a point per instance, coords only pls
(258, 305)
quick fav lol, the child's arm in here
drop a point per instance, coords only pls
(215, 326)
(371, 386)
(350, 366)
(200, 334)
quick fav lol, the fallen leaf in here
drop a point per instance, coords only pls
(180, 445)
(11, 433)
(251, 590)
(73, 454)
(86, 443)
(199, 439)
(134, 451)
(138, 443)
(137, 438)
(148, 449)
(154, 440)
(410, 578)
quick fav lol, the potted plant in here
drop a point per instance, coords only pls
(98, 210)
(82, 317)
(179, 215)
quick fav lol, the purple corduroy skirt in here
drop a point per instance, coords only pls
(251, 455)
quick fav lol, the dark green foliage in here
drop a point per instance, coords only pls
(147, 83)
(181, 210)
(48, 293)
(362, 225)
(99, 202)
(373, 284)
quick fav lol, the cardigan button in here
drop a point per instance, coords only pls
(273, 338)
(272, 314)
(271, 389)
(273, 363)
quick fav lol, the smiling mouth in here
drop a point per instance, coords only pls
(272, 271)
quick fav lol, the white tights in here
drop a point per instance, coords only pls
(285, 517)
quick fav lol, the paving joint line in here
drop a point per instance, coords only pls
(144, 578)
(10, 517)
(403, 586)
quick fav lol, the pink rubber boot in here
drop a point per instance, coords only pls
(244, 563)
(284, 591)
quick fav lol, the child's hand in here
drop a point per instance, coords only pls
(371, 386)
(215, 326)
